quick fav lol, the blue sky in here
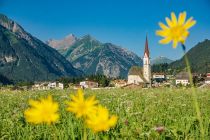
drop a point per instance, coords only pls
(121, 22)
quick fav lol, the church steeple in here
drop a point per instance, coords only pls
(146, 61)
(146, 50)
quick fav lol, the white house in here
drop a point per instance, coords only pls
(158, 76)
(119, 83)
(138, 75)
(55, 85)
(88, 84)
(207, 78)
(47, 86)
(40, 86)
(182, 78)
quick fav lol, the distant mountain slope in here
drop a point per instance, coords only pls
(161, 60)
(62, 44)
(199, 57)
(94, 57)
(25, 58)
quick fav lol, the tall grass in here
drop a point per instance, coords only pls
(140, 112)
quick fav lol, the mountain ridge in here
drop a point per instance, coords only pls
(26, 58)
(198, 56)
(161, 60)
(94, 57)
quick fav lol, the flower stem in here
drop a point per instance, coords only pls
(195, 100)
(85, 133)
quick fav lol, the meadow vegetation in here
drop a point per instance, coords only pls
(163, 113)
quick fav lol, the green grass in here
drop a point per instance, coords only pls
(139, 112)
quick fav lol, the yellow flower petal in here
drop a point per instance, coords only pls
(190, 22)
(169, 22)
(177, 31)
(163, 26)
(165, 40)
(42, 111)
(80, 106)
(173, 17)
(100, 120)
(162, 33)
(113, 120)
(182, 17)
(186, 34)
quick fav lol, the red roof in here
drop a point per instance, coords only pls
(146, 51)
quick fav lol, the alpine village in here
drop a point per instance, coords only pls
(90, 69)
(80, 88)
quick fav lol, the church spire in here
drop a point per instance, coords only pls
(146, 63)
(146, 51)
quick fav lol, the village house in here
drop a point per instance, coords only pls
(159, 77)
(40, 86)
(55, 85)
(88, 84)
(47, 86)
(138, 75)
(119, 83)
(182, 78)
(207, 78)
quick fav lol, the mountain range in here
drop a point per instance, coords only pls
(161, 60)
(26, 58)
(23, 57)
(94, 57)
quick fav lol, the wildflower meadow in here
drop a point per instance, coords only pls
(142, 114)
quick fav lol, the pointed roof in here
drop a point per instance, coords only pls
(146, 50)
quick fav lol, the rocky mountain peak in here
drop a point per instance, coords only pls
(70, 36)
(93, 57)
(15, 28)
(26, 58)
(161, 60)
(62, 44)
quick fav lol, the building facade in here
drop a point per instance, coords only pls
(207, 78)
(182, 78)
(88, 84)
(135, 76)
(138, 75)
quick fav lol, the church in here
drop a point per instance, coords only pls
(141, 75)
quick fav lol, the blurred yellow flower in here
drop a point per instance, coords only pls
(101, 121)
(177, 30)
(80, 106)
(43, 111)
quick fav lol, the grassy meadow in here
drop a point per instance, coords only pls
(142, 114)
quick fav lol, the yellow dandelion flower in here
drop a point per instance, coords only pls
(80, 106)
(42, 111)
(101, 121)
(177, 30)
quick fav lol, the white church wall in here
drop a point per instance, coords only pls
(134, 79)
